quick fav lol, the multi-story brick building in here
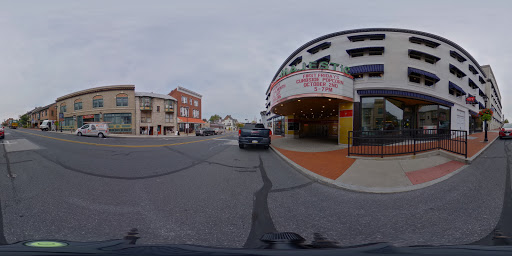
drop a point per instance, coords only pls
(48, 112)
(113, 104)
(155, 114)
(189, 107)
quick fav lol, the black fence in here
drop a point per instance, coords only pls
(400, 142)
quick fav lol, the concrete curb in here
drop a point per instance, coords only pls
(332, 183)
(470, 160)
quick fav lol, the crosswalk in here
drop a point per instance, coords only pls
(19, 145)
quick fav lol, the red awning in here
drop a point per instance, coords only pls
(190, 120)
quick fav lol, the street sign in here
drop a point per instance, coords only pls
(61, 115)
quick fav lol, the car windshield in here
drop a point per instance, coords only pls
(228, 123)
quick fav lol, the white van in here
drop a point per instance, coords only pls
(93, 129)
(48, 125)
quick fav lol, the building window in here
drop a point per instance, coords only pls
(51, 112)
(145, 102)
(359, 38)
(121, 118)
(429, 81)
(354, 54)
(195, 112)
(457, 56)
(168, 104)
(97, 102)
(196, 103)
(430, 59)
(122, 100)
(455, 92)
(191, 101)
(375, 74)
(428, 43)
(414, 79)
(372, 113)
(157, 108)
(457, 72)
(78, 105)
(415, 55)
(372, 52)
(169, 117)
(183, 99)
(358, 76)
(145, 117)
(184, 112)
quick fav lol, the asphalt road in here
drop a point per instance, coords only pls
(207, 191)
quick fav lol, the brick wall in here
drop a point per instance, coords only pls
(178, 94)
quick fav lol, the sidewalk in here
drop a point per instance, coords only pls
(329, 163)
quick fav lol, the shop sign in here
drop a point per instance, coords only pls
(88, 116)
(470, 100)
(313, 82)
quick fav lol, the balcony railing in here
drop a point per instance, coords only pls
(146, 107)
(169, 109)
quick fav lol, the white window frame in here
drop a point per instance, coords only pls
(184, 99)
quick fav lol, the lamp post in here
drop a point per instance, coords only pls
(186, 125)
(485, 121)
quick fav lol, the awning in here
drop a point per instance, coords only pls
(324, 58)
(481, 105)
(379, 48)
(481, 80)
(375, 92)
(470, 95)
(367, 36)
(319, 47)
(458, 70)
(422, 72)
(190, 120)
(366, 69)
(456, 87)
(473, 113)
(424, 53)
(457, 56)
(472, 84)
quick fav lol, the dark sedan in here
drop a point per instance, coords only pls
(205, 132)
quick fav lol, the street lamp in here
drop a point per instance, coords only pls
(485, 122)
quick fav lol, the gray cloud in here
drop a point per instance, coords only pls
(226, 50)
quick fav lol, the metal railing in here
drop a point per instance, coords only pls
(401, 142)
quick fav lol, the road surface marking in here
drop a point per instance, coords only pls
(20, 145)
(120, 146)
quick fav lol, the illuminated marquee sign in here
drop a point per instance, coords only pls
(312, 83)
(315, 65)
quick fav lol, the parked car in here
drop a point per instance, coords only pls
(254, 134)
(2, 132)
(506, 131)
(93, 129)
(205, 132)
(47, 125)
(218, 131)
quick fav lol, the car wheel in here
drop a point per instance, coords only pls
(101, 135)
(79, 134)
(241, 146)
(266, 146)
(2, 137)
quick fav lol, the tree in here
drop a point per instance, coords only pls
(215, 118)
(23, 120)
(506, 121)
(240, 125)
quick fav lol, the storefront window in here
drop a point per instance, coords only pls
(394, 114)
(444, 117)
(373, 113)
(428, 117)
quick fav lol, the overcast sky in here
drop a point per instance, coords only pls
(228, 51)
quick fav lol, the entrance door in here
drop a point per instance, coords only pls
(159, 129)
(460, 120)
